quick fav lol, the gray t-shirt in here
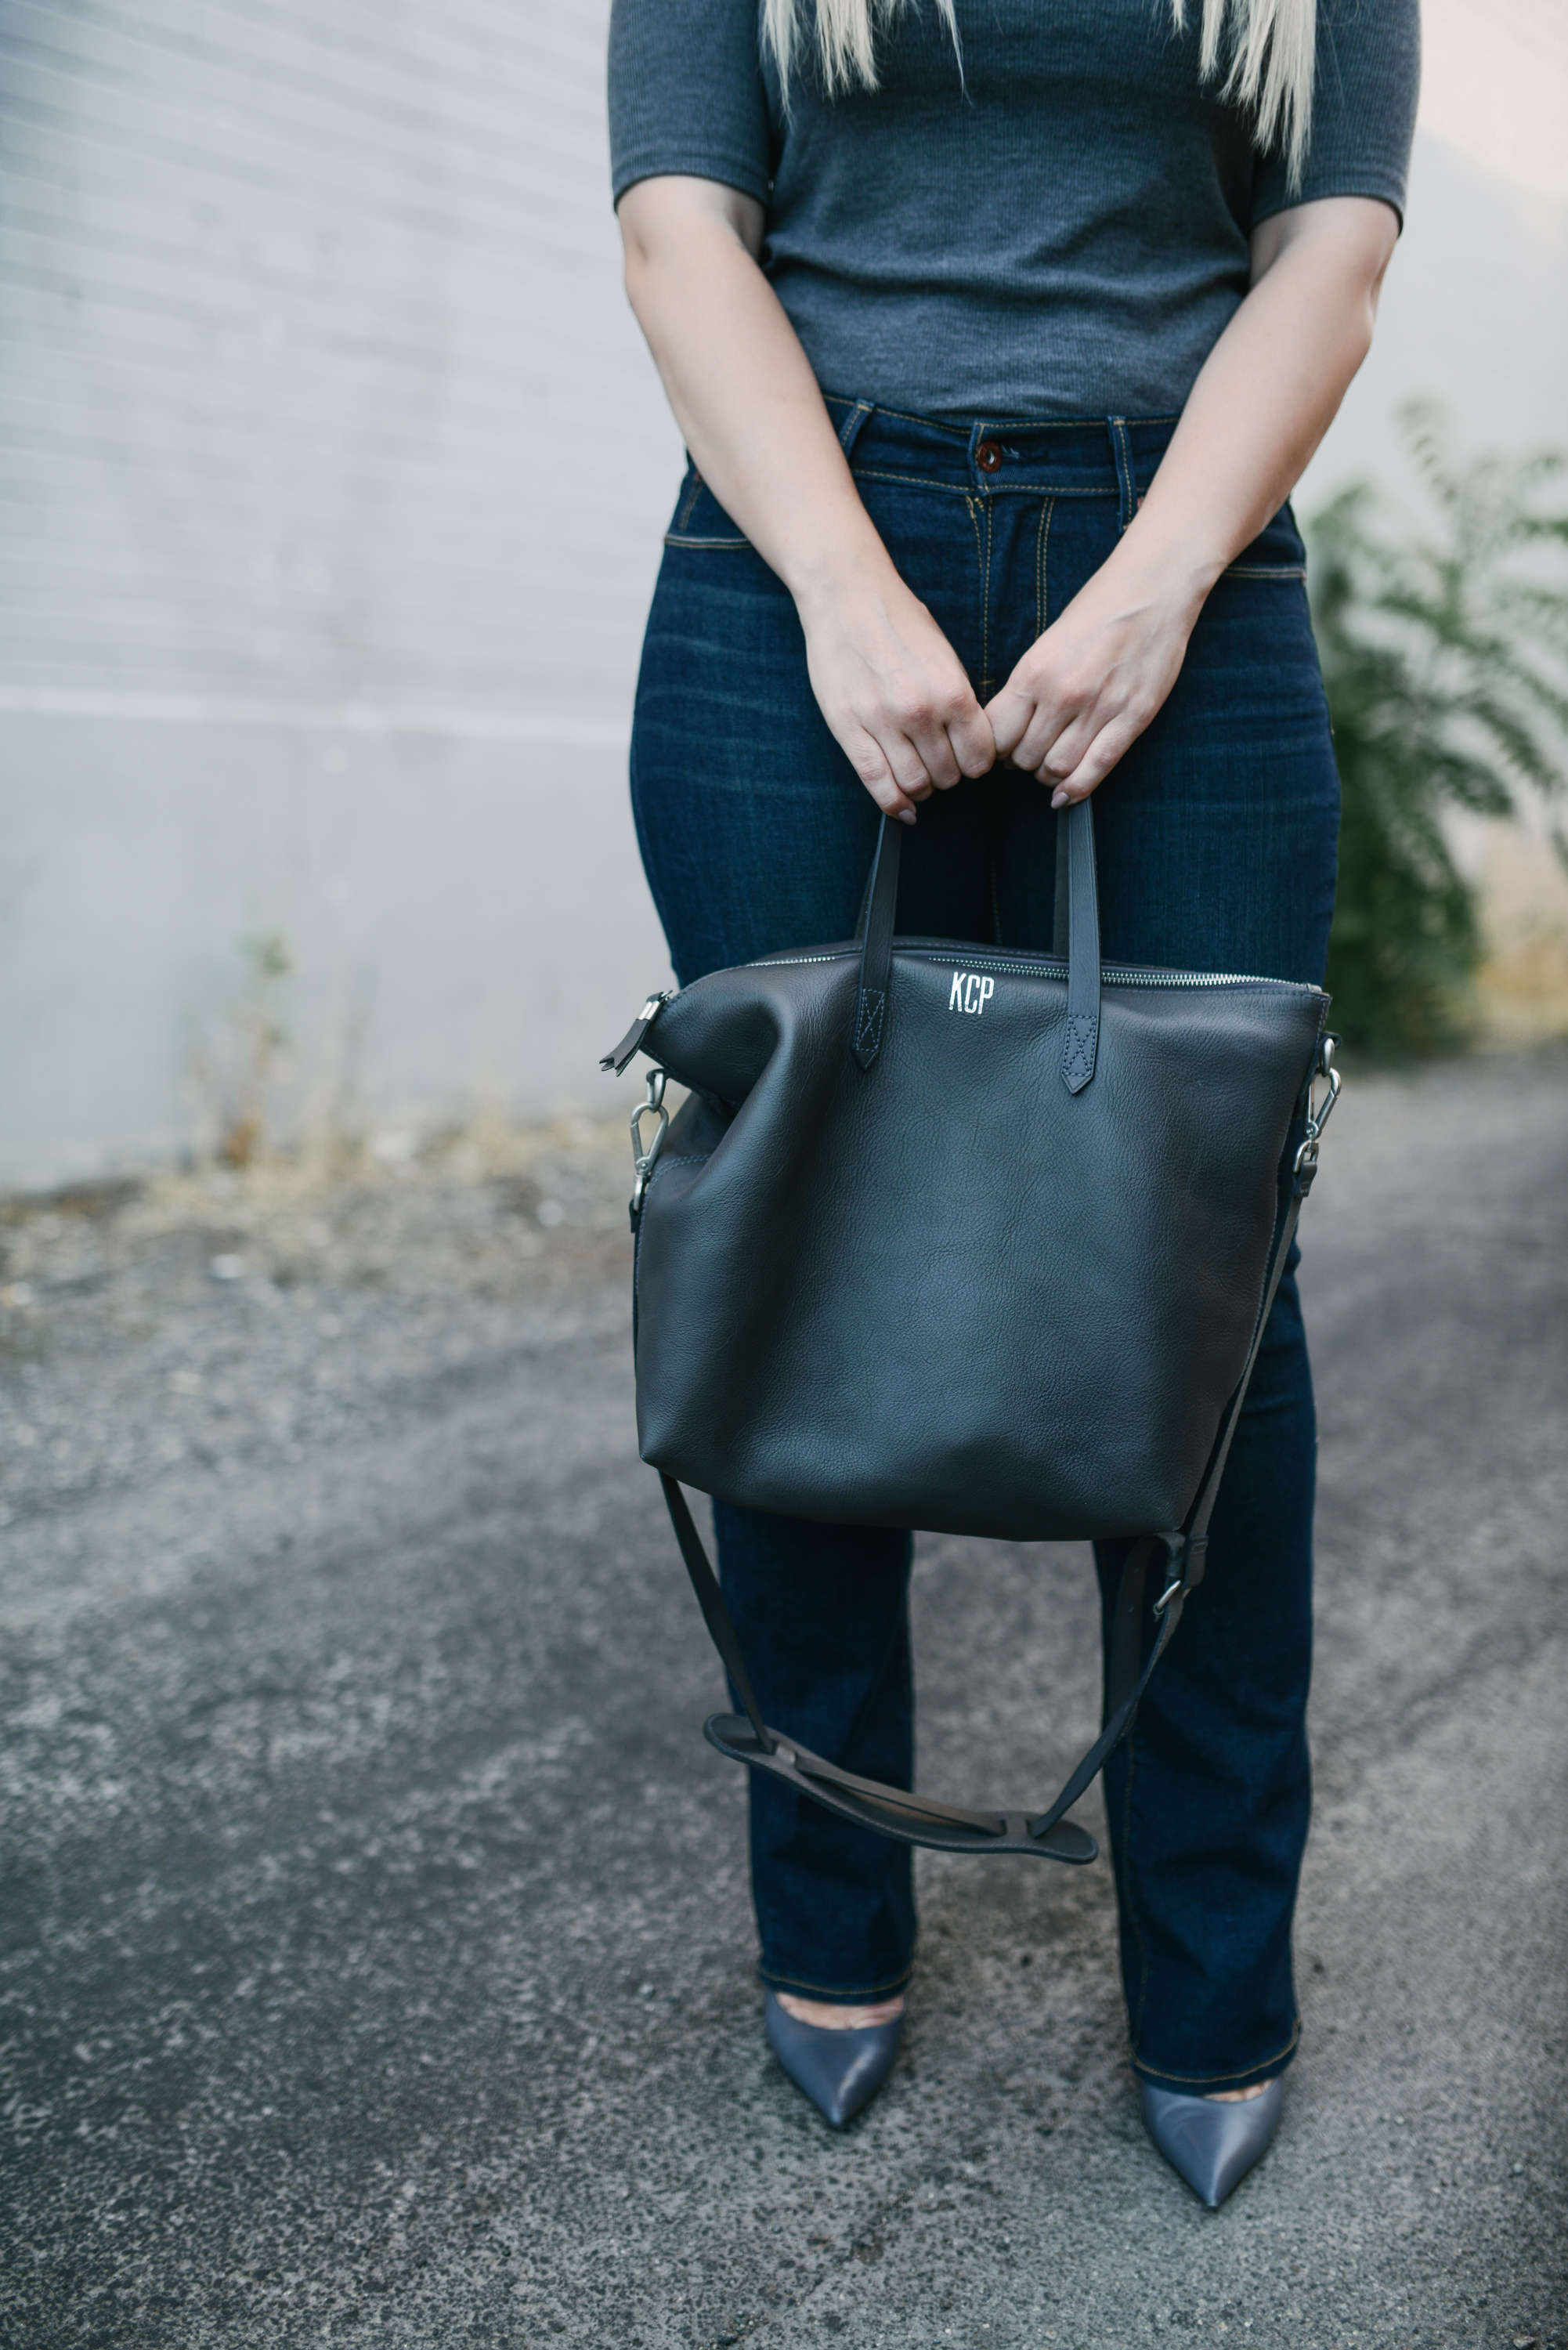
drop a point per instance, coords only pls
(1060, 233)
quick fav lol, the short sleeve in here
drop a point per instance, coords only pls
(686, 94)
(1367, 79)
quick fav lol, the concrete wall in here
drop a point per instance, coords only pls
(333, 476)
(466, 919)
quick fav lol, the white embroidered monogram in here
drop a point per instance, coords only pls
(971, 990)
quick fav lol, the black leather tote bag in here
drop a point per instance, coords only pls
(976, 1242)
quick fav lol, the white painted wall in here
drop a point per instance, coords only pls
(467, 920)
(334, 473)
(1474, 312)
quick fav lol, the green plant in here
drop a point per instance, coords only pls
(244, 1126)
(1445, 657)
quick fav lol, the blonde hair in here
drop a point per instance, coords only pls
(1271, 45)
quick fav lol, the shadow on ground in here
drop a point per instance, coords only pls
(377, 1959)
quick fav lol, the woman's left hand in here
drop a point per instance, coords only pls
(1089, 686)
(1262, 401)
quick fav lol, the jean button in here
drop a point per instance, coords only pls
(987, 456)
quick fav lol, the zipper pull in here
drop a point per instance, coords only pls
(617, 1060)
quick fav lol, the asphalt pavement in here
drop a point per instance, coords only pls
(375, 1952)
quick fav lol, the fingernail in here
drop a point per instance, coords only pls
(1059, 798)
(906, 815)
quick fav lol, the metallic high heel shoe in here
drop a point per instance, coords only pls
(1212, 2145)
(838, 2071)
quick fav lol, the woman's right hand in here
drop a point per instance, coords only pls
(892, 689)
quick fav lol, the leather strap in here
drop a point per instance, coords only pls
(1295, 1183)
(711, 1600)
(916, 1819)
(1081, 1034)
(1080, 1044)
(880, 913)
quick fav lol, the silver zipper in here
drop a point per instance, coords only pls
(779, 962)
(1139, 976)
(1123, 974)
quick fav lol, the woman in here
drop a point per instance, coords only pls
(998, 336)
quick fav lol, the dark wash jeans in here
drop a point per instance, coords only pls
(1216, 836)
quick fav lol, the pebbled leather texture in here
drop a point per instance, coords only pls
(947, 1289)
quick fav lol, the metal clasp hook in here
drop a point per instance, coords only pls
(1318, 1111)
(642, 1159)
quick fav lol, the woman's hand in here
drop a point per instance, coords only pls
(1264, 400)
(892, 689)
(1090, 685)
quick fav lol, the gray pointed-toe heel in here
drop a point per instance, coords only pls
(838, 2071)
(1212, 2145)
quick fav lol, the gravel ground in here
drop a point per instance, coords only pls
(375, 1954)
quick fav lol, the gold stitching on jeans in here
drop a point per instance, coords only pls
(911, 481)
(1042, 595)
(1241, 2072)
(1131, 1902)
(980, 575)
(985, 601)
(1127, 476)
(854, 424)
(959, 431)
(829, 1996)
(1002, 423)
(959, 489)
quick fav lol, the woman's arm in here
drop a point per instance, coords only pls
(1263, 402)
(890, 685)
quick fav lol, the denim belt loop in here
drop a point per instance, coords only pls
(1121, 450)
(858, 416)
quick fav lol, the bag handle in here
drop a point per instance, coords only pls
(877, 913)
(1080, 1045)
(1080, 1041)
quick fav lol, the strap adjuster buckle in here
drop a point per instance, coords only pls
(1185, 1571)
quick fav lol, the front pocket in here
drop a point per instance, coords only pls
(699, 520)
(1276, 553)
